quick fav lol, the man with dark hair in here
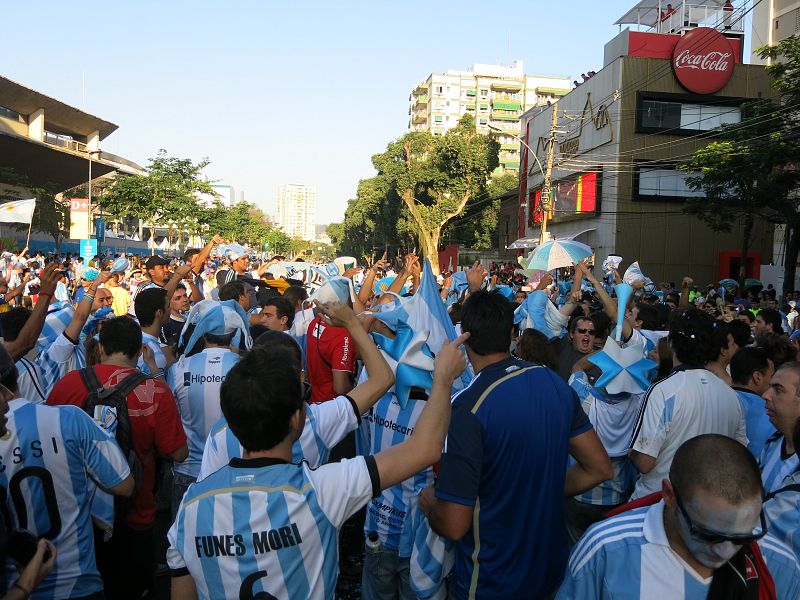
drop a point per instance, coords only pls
(577, 344)
(751, 372)
(779, 458)
(235, 290)
(288, 546)
(150, 306)
(691, 401)
(76, 453)
(768, 320)
(513, 413)
(296, 295)
(696, 539)
(277, 314)
(724, 348)
(29, 379)
(155, 430)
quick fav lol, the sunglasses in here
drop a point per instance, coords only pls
(709, 536)
(582, 331)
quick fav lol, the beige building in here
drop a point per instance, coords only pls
(773, 21)
(297, 210)
(495, 95)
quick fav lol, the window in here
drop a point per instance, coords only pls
(484, 93)
(685, 116)
(437, 89)
(437, 118)
(10, 114)
(663, 182)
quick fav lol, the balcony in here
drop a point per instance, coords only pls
(502, 115)
(419, 117)
(506, 85)
(64, 141)
(421, 100)
(421, 89)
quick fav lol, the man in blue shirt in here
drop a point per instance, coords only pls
(504, 471)
(751, 371)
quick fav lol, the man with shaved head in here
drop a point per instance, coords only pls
(694, 539)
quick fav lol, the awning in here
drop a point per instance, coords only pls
(648, 12)
(572, 236)
(552, 91)
(529, 242)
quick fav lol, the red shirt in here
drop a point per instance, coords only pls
(328, 349)
(155, 427)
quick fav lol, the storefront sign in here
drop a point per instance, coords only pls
(78, 218)
(703, 61)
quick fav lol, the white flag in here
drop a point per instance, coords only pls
(18, 211)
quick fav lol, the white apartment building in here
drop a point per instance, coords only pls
(773, 21)
(297, 210)
(495, 95)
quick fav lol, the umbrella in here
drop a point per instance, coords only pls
(730, 285)
(558, 253)
(752, 283)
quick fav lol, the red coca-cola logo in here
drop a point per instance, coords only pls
(703, 61)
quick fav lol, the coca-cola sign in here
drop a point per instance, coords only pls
(703, 61)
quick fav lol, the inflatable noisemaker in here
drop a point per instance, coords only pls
(624, 293)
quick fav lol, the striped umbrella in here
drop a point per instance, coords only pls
(558, 253)
(730, 285)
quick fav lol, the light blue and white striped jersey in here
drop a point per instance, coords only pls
(775, 467)
(58, 359)
(58, 318)
(390, 514)
(782, 565)
(299, 329)
(782, 510)
(196, 381)
(152, 342)
(326, 425)
(29, 381)
(756, 421)
(628, 556)
(613, 417)
(264, 525)
(49, 459)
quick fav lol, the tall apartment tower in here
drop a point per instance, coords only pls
(496, 96)
(297, 210)
(773, 21)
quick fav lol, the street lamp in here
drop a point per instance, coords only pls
(523, 204)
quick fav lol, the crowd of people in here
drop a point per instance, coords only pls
(220, 420)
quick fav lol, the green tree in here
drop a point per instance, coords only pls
(51, 215)
(165, 195)
(336, 233)
(437, 176)
(476, 228)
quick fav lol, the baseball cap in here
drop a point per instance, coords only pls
(154, 261)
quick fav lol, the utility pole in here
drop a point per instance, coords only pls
(544, 198)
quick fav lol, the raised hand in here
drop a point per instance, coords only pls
(48, 279)
(338, 313)
(450, 361)
(475, 276)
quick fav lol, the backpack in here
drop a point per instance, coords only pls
(114, 398)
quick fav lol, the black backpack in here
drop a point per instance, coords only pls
(115, 397)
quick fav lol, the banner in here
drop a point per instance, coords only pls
(79, 219)
(17, 211)
(88, 250)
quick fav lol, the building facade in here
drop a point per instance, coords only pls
(773, 21)
(615, 182)
(496, 96)
(297, 210)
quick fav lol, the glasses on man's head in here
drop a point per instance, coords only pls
(709, 536)
(582, 331)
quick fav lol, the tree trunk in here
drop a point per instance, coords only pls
(746, 234)
(429, 240)
(152, 239)
(790, 257)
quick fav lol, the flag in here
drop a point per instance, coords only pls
(17, 211)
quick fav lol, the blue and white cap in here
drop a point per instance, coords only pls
(217, 318)
(335, 289)
(232, 251)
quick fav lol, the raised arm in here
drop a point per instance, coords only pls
(33, 326)
(686, 285)
(424, 447)
(609, 306)
(380, 377)
(73, 330)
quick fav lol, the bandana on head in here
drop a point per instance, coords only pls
(90, 273)
(217, 318)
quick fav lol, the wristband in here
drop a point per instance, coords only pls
(88, 297)
(21, 589)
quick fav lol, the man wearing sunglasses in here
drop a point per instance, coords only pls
(580, 342)
(703, 536)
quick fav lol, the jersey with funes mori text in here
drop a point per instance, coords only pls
(267, 528)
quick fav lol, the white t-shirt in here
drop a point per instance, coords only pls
(688, 403)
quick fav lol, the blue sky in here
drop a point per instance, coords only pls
(280, 92)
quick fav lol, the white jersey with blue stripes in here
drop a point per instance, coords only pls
(782, 564)
(326, 425)
(153, 343)
(629, 556)
(266, 527)
(196, 382)
(390, 514)
(49, 459)
(29, 381)
(782, 511)
(776, 467)
(58, 359)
